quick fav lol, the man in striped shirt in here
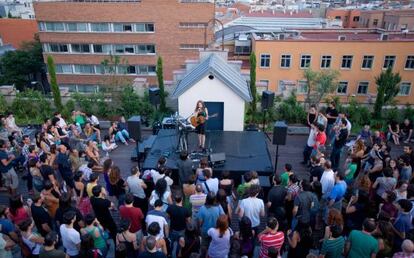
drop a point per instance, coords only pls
(270, 237)
(197, 200)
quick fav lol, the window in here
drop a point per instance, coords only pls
(146, 49)
(144, 27)
(124, 49)
(337, 17)
(242, 50)
(305, 61)
(81, 48)
(191, 46)
(265, 83)
(363, 88)
(264, 60)
(342, 87)
(405, 88)
(120, 27)
(285, 61)
(375, 22)
(302, 87)
(85, 88)
(77, 26)
(84, 69)
(58, 48)
(99, 27)
(409, 63)
(346, 62)
(55, 26)
(326, 61)
(99, 69)
(98, 48)
(64, 68)
(356, 19)
(281, 87)
(388, 62)
(192, 25)
(367, 62)
(146, 69)
(130, 69)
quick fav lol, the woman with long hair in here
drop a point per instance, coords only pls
(245, 236)
(201, 113)
(222, 200)
(126, 242)
(17, 211)
(161, 192)
(31, 239)
(117, 185)
(300, 241)
(220, 238)
(82, 200)
(107, 166)
(190, 242)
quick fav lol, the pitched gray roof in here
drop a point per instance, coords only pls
(217, 66)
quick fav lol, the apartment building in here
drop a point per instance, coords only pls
(81, 34)
(387, 19)
(358, 54)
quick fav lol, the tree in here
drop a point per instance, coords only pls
(388, 87)
(160, 77)
(53, 83)
(319, 84)
(112, 68)
(253, 89)
(310, 77)
(22, 66)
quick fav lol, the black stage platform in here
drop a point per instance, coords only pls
(245, 151)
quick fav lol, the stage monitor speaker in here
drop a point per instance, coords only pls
(154, 96)
(134, 127)
(267, 99)
(217, 158)
(280, 133)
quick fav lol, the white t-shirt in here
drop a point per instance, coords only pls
(87, 172)
(311, 137)
(327, 182)
(70, 238)
(93, 120)
(213, 185)
(156, 216)
(251, 208)
(155, 175)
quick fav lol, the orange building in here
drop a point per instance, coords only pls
(82, 34)
(17, 31)
(359, 55)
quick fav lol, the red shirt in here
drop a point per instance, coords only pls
(268, 240)
(134, 215)
(321, 138)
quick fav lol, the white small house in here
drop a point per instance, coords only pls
(223, 89)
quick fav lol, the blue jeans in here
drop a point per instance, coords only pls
(122, 136)
(336, 157)
(307, 151)
(174, 237)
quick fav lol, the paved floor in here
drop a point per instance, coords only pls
(290, 153)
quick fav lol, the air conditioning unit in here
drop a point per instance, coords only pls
(341, 37)
(384, 36)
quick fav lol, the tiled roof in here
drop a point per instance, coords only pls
(217, 66)
(16, 31)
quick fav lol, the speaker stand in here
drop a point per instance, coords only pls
(138, 155)
(276, 157)
(264, 124)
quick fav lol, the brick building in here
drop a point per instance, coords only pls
(80, 35)
(17, 31)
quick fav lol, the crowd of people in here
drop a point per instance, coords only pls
(356, 201)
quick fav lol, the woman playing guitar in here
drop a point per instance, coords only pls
(201, 115)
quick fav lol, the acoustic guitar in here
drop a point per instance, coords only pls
(196, 121)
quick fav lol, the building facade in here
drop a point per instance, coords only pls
(82, 35)
(349, 17)
(359, 56)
